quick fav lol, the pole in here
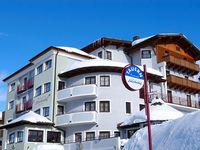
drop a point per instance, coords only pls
(146, 101)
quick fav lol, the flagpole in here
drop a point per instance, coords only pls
(146, 101)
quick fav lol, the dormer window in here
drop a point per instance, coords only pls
(108, 55)
(146, 54)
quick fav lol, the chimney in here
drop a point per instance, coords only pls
(136, 37)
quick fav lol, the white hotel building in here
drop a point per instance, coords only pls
(83, 96)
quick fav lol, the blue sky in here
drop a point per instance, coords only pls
(28, 27)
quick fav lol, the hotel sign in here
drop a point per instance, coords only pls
(132, 77)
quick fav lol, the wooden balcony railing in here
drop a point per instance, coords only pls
(178, 100)
(181, 64)
(183, 84)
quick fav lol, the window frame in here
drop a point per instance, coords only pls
(63, 107)
(145, 55)
(36, 91)
(37, 138)
(11, 140)
(39, 69)
(90, 138)
(58, 137)
(18, 138)
(46, 64)
(13, 105)
(100, 54)
(38, 111)
(102, 108)
(104, 132)
(47, 87)
(128, 107)
(108, 55)
(90, 107)
(76, 138)
(61, 85)
(103, 81)
(12, 87)
(45, 114)
(90, 80)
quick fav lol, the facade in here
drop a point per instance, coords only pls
(1, 131)
(82, 93)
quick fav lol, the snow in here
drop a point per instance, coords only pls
(102, 62)
(159, 111)
(49, 147)
(32, 118)
(179, 134)
(75, 50)
(135, 42)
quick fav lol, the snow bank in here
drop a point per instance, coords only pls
(179, 134)
(49, 147)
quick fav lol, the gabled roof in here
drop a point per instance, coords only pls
(168, 38)
(104, 41)
(28, 118)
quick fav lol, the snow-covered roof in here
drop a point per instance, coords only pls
(29, 117)
(108, 63)
(179, 134)
(159, 111)
(75, 50)
(146, 38)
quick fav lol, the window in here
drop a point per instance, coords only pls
(11, 138)
(37, 111)
(100, 54)
(108, 55)
(167, 72)
(128, 107)
(11, 105)
(104, 134)
(90, 80)
(45, 111)
(12, 87)
(90, 106)
(38, 91)
(141, 106)
(78, 137)
(90, 136)
(53, 137)
(20, 136)
(47, 87)
(104, 80)
(48, 64)
(117, 134)
(60, 110)
(146, 54)
(104, 106)
(35, 136)
(130, 133)
(141, 93)
(39, 69)
(61, 85)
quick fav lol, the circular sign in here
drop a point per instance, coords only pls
(132, 77)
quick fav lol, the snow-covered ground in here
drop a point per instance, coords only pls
(179, 134)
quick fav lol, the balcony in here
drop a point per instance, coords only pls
(23, 106)
(77, 92)
(181, 65)
(25, 86)
(179, 101)
(183, 84)
(77, 118)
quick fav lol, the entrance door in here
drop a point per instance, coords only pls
(169, 96)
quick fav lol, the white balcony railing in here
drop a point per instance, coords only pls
(77, 92)
(77, 118)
